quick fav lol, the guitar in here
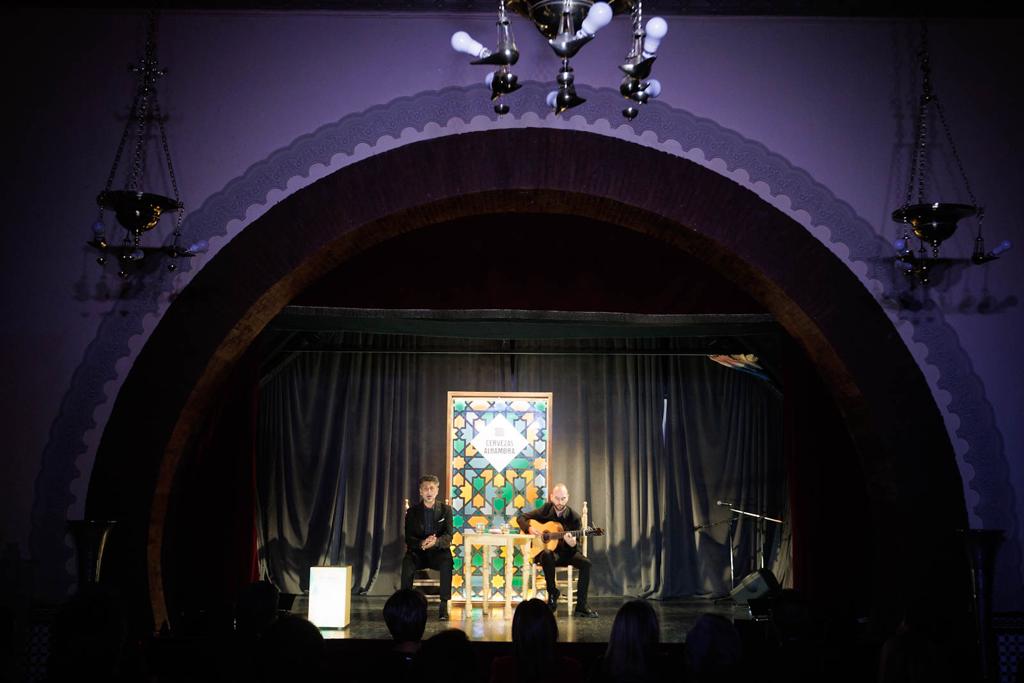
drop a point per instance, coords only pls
(552, 533)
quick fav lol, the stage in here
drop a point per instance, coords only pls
(676, 617)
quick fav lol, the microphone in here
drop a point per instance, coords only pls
(724, 503)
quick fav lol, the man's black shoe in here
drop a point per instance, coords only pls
(553, 600)
(584, 611)
(443, 612)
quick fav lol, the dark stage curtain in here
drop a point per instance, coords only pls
(210, 544)
(651, 439)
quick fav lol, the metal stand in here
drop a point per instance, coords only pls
(734, 517)
(730, 537)
(761, 535)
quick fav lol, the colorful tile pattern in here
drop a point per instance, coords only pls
(480, 494)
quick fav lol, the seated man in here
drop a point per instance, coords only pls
(566, 553)
(428, 540)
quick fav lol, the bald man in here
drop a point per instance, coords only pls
(566, 553)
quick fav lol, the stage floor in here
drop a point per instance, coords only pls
(675, 616)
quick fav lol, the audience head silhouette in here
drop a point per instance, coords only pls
(405, 614)
(441, 652)
(633, 643)
(912, 654)
(713, 649)
(292, 648)
(534, 634)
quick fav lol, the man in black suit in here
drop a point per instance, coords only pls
(428, 540)
(566, 552)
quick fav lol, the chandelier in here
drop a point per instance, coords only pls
(568, 26)
(933, 222)
(136, 210)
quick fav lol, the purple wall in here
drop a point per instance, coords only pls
(832, 97)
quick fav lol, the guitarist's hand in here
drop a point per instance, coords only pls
(536, 531)
(570, 540)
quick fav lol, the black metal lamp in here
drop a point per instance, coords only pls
(933, 222)
(136, 210)
(568, 26)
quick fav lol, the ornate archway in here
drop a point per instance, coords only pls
(809, 291)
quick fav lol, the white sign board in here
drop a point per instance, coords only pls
(330, 596)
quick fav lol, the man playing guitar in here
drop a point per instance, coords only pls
(566, 552)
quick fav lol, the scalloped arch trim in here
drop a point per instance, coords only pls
(67, 456)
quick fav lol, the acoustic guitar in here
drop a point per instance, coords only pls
(552, 533)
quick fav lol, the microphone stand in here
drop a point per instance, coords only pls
(761, 536)
(732, 527)
(736, 513)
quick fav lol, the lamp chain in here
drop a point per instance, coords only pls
(139, 158)
(148, 76)
(638, 31)
(919, 161)
(959, 163)
(170, 170)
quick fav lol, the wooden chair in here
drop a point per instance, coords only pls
(565, 577)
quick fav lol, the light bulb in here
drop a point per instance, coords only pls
(900, 244)
(1003, 246)
(656, 30)
(552, 96)
(597, 18)
(463, 42)
(199, 247)
(653, 88)
(489, 78)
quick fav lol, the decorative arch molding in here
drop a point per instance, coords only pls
(438, 114)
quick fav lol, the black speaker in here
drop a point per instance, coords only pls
(758, 584)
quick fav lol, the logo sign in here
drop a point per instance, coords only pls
(499, 442)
